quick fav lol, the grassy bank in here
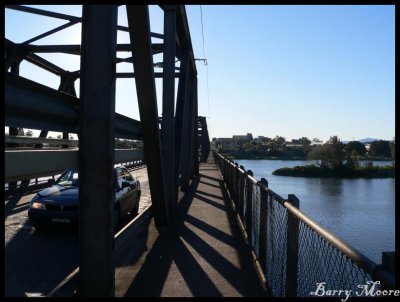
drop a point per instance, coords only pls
(342, 172)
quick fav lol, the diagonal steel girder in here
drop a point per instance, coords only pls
(139, 32)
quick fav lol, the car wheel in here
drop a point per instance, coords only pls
(117, 215)
(136, 208)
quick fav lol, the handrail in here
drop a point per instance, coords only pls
(370, 267)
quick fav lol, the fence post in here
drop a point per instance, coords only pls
(235, 185)
(292, 249)
(249, 207)
(242, 182)
(263, 240)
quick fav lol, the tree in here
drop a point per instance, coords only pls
(59, 136)
(304, 141)
(280, 140)
(20, 132)
(334, 147)
(380, 149)
(29, 133)
(247, 146)
(329, 154)
(318, 156)
(392, 148)
(356, 146)
(352, 159)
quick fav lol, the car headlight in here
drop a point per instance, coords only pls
(38, 205)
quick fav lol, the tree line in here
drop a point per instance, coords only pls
(331, 153)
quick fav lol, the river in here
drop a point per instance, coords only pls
(359, 211)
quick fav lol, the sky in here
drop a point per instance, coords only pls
(291, 70)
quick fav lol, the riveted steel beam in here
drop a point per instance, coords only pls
(96, 152)
(51, 110)
(139, 31)
(179, 117)
(168, 108)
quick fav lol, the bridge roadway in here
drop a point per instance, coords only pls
(202, 253)
(36, 262)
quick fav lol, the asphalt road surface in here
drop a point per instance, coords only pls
(36, 262)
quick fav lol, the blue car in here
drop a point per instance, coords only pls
(58, 204)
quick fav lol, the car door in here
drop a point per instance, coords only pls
(129, 197)
(120, 195)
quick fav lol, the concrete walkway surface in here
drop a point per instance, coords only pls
(202, 253)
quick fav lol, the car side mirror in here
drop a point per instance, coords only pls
(125, 184)
(51, 181)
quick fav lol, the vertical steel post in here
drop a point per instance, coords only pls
(180, 109)
(168, 108)
(13, 130)
(96, 150)
(67, 86)
(43, 134)
(263, 240)
(195, 168)
(187, 136)
(139, 31)
(292, 250)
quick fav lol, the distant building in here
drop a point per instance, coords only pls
(316, 144)
(247, 137)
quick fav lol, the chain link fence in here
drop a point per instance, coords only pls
(298, 257)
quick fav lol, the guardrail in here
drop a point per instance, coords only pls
(294, 252)
(32, 168)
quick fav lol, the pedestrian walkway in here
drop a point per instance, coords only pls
(202, 252)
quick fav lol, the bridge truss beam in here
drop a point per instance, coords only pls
(171, 155)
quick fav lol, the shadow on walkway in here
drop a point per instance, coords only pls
(202, 253)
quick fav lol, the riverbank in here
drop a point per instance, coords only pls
(342, 172)
(260, 156)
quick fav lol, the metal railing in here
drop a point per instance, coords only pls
(295, 253)
(30, 169)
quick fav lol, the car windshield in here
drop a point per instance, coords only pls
(69, 178)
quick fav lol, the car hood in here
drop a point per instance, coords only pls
(58, 192)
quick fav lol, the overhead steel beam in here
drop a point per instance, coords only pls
(42, 63)
(31, 105)
(139, 32)
(69, 49)
(125, 75)
(50, 32)
(96, 152)
(168, 108)
(153, 35)
(127, 128)
(76, 48)
(42, 12)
